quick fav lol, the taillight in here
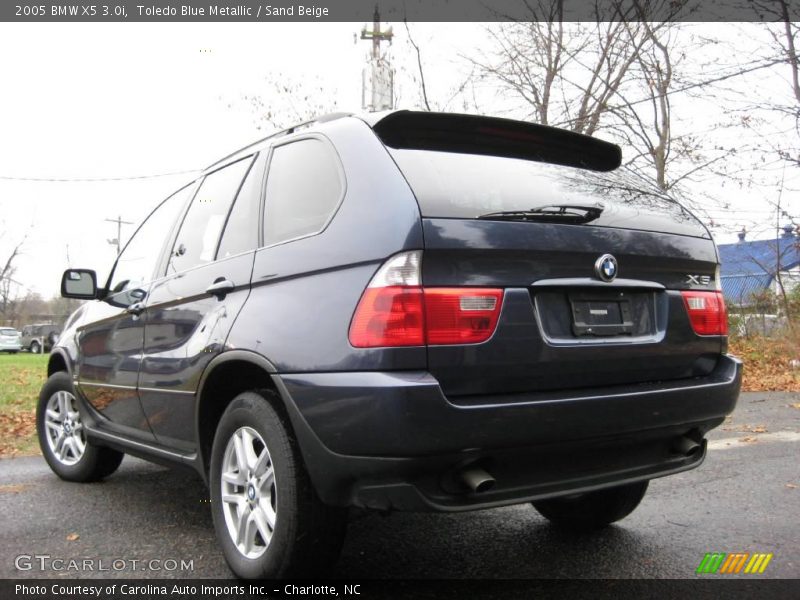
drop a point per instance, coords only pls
(395, 310)
(390, 316)
(461, 315)
(707, 312)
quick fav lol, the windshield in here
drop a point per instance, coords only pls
(8, 332)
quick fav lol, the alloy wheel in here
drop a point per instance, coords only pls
(64, 429)
(249, 495)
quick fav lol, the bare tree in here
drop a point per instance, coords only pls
(287, 100)
(646, 123)
(774, 119)
(784, 38)
(423, 88)
(622, 76)
(566, 74)
(7, 283)
(432, 97)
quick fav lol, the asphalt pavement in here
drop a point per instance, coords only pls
(744, 498)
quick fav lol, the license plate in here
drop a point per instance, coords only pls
(597, 316)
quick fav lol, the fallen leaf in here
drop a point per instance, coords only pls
(14, 488)
(748, 439)
(753, 429)
(795, 405)
(791, 486)
(72, 537)
(766, 366)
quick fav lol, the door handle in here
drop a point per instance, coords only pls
(135, 309)
(220, 288)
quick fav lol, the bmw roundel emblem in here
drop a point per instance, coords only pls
(606, 267)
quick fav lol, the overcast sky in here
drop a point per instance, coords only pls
(123, 100)
(87, 101)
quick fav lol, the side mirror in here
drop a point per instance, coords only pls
(79, 283)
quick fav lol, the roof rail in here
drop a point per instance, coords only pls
(321, 119)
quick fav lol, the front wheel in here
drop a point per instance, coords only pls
(592, 510)
(268, 518)
(35, 348)
(62, 437)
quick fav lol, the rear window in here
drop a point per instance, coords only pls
(462, 186)
(8, 332)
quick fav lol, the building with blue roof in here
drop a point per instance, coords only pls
(750, 267)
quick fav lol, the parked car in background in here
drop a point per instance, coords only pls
(40, 337)
(9, 340)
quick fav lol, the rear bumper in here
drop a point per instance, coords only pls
(393, 440)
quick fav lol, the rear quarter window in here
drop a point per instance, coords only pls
(305, 186)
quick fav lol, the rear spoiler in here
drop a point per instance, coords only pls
(468, 134)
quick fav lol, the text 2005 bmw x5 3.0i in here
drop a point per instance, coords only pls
(401, 311)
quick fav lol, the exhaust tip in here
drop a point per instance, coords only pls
(477, 480)
(687, 446)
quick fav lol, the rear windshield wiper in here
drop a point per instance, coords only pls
(552, 213)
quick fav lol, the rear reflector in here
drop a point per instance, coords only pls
(396, 311)
(707, 312)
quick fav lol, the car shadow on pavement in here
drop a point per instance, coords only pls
(146, 510)
(512, 542)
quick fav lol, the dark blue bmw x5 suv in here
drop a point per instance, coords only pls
(399, 311)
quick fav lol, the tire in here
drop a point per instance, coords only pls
(592, 510)
(287, 530)
(62, 438)
(35, 348)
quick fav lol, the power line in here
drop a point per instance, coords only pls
(96, 179)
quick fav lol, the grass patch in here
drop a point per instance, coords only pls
(21, 377)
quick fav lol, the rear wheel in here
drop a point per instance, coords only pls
(592, 510)
(268, 518)
(62, 437)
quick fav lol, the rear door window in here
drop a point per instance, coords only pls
(200, 231)
(304, 188)
(241, 229)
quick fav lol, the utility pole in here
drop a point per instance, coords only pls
(377, 78)
(117, 241)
